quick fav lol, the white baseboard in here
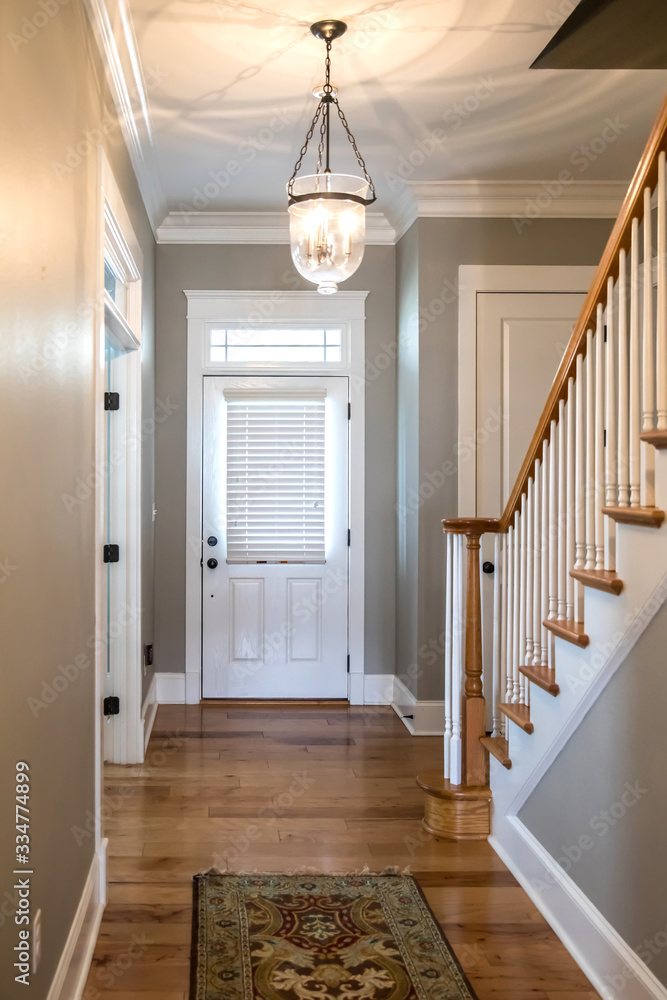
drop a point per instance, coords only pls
(149, 710)
(428, 717)
(74, 966)
(378, 688)
(601, 953)
(170, 689)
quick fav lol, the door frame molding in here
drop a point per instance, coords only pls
(473, 280)
(263, 308)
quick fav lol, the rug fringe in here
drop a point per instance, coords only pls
(389, 870)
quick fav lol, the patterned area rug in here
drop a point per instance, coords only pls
(319, 937)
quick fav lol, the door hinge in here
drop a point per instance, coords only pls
(604, 440)
(348, 663)
(349, 537)
(349, 411)
(112, 705)
(111, 553)
(605, 333)
(112, 401)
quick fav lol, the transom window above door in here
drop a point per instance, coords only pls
(269, 346)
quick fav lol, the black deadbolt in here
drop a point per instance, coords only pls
(488, 568)
(211, 563)
(212, 540)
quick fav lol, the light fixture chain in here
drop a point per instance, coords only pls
(304, 148)
(353, 143)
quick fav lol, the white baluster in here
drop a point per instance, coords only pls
(522, 596)
(633, 402)
(497, 633)
(530, 570)
(661, 344)
(648, 361)
(623, 384)
(570, 502)
(544, 530)
(449, 585)
(536, 589)
(553, 524)
(515, 604)
(611, 492)
(599, 438)
(589, 462)
(562, 512)
(509, 603)
(457, 661)
(580, 469)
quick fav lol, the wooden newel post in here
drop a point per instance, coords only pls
(463, 812)
(475, 762)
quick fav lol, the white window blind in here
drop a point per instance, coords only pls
(275, 476)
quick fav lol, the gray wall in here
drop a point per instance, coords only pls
(607, 827)
(269, 267)
(51, 92)
(442, 245)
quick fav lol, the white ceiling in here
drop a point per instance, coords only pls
(222, 73)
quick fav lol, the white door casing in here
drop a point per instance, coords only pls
(275, 623)
(207, 308)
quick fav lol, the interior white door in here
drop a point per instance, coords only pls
(275, 538)
(521, 339)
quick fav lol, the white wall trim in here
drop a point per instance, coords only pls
(476, 279)
(428, 717)
(595, 945)
(114, 33)
(170, 689)
(547, 199)
(216, 306)
(252, 227)
(70, 977)
(149, 710)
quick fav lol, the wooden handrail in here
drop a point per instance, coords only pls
(646, 175)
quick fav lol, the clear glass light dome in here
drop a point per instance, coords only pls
(328, 235)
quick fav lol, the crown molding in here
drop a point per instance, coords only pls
(114, 33)
(550, 199)
(251, 227)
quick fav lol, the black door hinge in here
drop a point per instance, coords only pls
(348, 663)
(605, 333)
(112, 401)
(112, 705)
(349, 537)
(111, 553)
(604, 442)
(349, 411)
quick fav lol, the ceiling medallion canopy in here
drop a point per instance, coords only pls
(328, 210)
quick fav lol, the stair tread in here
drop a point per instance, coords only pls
(544, 677)
(567, 629)
(601, 579)
(650, 517)
(657, 438)
(498, 748)
(519, 714)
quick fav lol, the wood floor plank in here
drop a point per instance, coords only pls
(220, 788)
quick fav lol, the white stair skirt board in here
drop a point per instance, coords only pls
(171, 689)
(74, 966)
(149, 710)
(600, 952)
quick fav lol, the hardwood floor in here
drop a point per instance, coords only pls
(247, 789)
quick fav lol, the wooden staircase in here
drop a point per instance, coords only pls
(589, 474)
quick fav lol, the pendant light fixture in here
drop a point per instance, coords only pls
(328, 210)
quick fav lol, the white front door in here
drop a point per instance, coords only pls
(275, 537)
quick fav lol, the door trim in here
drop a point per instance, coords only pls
(473, 280)
(263, 308)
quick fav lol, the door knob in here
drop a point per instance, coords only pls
(488, 568)
(211, 563)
